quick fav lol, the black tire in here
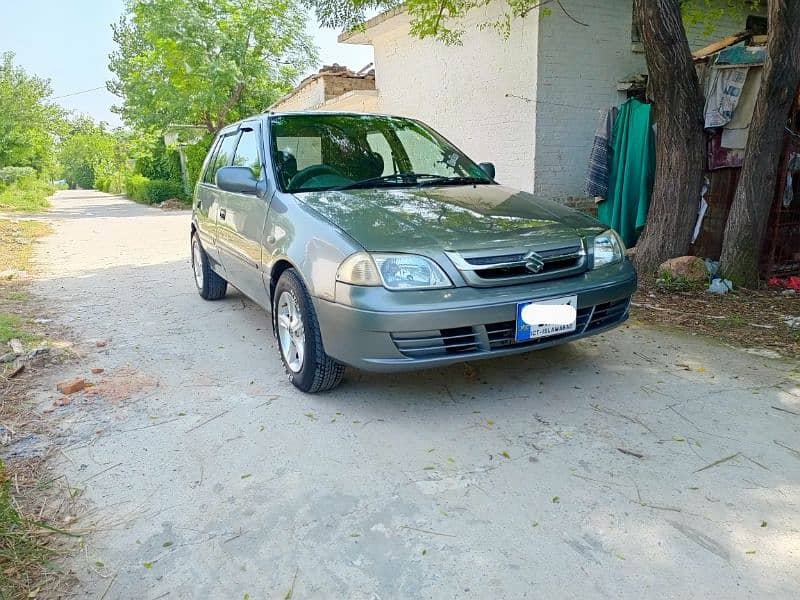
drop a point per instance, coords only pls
(319, 372)
(212, 287)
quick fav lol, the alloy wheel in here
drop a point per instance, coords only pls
(197, 264)
(291, 331)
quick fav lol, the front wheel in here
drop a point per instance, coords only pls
(299, 338)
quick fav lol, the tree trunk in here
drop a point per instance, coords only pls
(747, 222)
(680, 144)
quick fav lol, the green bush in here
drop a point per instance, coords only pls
(9, 175)
(82, 176)
(102, 183)
(151, 191)
(195, 155)
(162, 163)
(27, 194)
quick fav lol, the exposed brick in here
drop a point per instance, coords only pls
(71, 386)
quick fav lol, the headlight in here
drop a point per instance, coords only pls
(392, 271)
(608, 249)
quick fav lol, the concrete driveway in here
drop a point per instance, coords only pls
(635, 464)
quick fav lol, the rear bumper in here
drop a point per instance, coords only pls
(370, 331)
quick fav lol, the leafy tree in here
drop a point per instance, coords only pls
(28, 122)
(89, 151)
(206, 62)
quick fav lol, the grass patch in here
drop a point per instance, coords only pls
(16, 242)
(670, 283)
(12, 326)
(22, 552)
(27, 194)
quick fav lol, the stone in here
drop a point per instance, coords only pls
(16, 346)
(97, 371)
(691, 268)
(101, 343)
(71, 386)
(63, 401)
(36, 352)
(7, 357)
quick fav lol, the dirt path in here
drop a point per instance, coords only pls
(204, 474)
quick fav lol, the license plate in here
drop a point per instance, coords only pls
(527, 332)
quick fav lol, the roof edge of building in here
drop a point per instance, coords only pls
(358, 34)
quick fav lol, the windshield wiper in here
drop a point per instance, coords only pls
(438, 180)
(409, 177)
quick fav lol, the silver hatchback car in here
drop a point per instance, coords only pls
(375, 243)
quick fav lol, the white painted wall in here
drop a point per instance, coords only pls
(461, 90)
(579, 68)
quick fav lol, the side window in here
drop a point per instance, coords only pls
(224, 154)
(247, 152)
(208, 173)
(378, 143)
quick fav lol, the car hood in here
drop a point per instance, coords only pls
(449, 217)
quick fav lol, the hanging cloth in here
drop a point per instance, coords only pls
(597, 176)
(631, 172)
(723, 93)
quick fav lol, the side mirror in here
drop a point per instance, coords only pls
(239, 180)
(488, 168)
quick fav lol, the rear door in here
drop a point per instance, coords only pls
(208, 196)
(242, 219)
(203, 202)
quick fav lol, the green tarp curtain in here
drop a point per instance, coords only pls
(631, 170)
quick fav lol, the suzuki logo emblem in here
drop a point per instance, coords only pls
(533, 262)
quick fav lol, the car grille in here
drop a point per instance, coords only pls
(511, 266)
(496, 336)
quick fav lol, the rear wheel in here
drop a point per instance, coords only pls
(210, 285)
(299, 338)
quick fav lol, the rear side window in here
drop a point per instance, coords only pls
(247, 152)
(224, 156)
(207, 178)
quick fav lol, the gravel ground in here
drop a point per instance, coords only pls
(638, 463)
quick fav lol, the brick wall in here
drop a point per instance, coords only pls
(336, 85)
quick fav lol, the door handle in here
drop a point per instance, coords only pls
(222, 213)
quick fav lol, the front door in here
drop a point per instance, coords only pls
(241, 220)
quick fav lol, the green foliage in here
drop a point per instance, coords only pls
(89, 152)
(206, 62)
(27, 194)
(160, 163)
(9, 175)
(707, 13)
(28, 122)
(151, 191)
(195, 155)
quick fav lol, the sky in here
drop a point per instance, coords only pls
(68, 42)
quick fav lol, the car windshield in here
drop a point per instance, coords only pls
(314, 152)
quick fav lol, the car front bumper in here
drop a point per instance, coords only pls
(378, 330)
